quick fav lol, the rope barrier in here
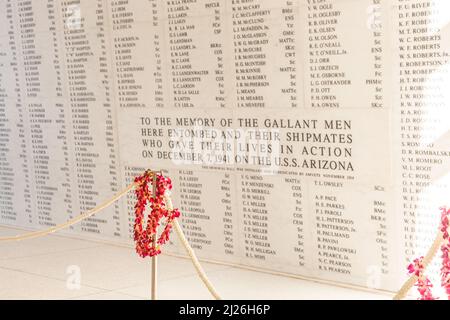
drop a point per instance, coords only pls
(106, 204)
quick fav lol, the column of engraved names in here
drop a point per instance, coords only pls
(423, 52)
(14, 140)
(89, 88)
(346, 228)
(334, 234)
(254, 218)
(265, 53)
(23, 114)
(205, 202)
(194, 45)
(133, 63)
(63, 117)
(46, 109)
(335, 62)
(7, 174)
(272, 220)
(324, 46)
(130, 173)
(250, 42)
(193, 212)
(110, 140)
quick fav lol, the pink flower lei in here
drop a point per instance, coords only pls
(445, 250)
(423, 284)
(417, 268)
(144, 237)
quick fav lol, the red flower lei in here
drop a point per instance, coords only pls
(145, 237)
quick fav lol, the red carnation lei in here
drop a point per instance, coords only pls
(144, 237)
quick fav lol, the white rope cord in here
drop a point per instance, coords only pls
(201, 273)
(426, 261)
(71, 222)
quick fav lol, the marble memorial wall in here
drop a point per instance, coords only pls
(308, 137)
